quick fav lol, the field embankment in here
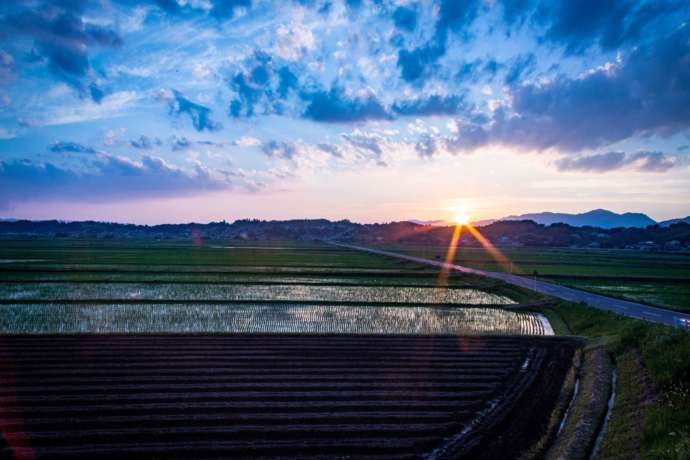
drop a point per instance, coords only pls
(651, 415)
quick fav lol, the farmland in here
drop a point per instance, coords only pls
(288, 350)
(659, 279)
(248, 318)
(276, 396)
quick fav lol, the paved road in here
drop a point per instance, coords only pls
(623, 307)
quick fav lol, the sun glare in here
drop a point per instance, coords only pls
(461, 218)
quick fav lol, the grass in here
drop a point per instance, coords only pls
(563, 261)
(624, 433)
(666, 294)
(64, 254)
(659, 279)
(665, 357)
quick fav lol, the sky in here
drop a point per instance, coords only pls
(159, 111)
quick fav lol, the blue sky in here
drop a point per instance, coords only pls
(166, 111)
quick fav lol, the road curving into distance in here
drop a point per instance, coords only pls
(622, 307)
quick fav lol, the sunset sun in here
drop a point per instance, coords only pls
(461, 218)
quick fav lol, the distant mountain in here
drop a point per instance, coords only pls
(483, 222)
(437, 223)
(597, 218)
(666, 223)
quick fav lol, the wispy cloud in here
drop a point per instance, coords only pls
(106, 178)
(655, 162)
(73, 147)
(199, 114)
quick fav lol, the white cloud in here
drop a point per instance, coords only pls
(247, 141)
(132, 71)
(291, 42)
(6, 133)
(111, 106)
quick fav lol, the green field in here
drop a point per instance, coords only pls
(123, 286)
(659, 279)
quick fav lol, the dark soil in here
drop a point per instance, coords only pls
(278, 396)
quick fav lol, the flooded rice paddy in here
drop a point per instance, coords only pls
(282, 318)
(246, 292)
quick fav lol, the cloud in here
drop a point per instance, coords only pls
(261, 87)
(468, 71)
(335, 106)
(291, 42)
(578, 25)
(646, 94)
(426, 146)
(453, 15)
(183, 143)
(75, 147)
(62, 39)
(522, 64)
(144, 142)
(226, 9)
(370, 144)
(331, 149)
(279, 149)
(6, 67)
(642, 161)
(8, 133)
(469, 137)
(431, 105)
(250, 89)
(247, 141)
(109, 178)
(113, 105)
(200, 115)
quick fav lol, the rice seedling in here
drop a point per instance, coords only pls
(247, 292)
(248, 318)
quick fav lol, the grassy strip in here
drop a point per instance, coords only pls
(665, 355)
(657, 295)
(584, 420)
(634, 395)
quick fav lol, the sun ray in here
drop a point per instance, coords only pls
(442, 280)
(498, 256)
